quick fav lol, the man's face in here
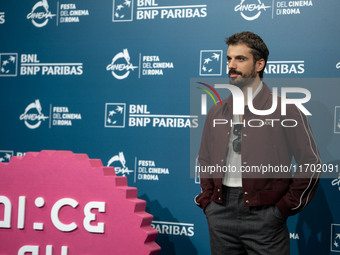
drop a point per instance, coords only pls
(242, 69)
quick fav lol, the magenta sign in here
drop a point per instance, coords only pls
(58, 202)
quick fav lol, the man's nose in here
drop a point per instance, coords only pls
(231, 64)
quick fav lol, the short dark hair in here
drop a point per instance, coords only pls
(254, 42)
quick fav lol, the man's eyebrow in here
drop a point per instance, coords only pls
(238, 57)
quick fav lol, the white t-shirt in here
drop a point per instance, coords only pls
(233, 178)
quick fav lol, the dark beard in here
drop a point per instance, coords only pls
(245, 79)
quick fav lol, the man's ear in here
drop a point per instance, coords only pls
(260, 65)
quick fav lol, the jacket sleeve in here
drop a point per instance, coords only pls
(204, 159)
(303, 147)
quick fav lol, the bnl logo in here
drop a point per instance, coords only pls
(115, 115)
(211, 63)
(122, 10)
(335, 237)
(8, 64)
(5, 156)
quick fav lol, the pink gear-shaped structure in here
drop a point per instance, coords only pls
(57, 176)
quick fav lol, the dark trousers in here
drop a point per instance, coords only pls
(236, 229)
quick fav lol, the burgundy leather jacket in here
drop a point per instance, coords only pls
(269, 145)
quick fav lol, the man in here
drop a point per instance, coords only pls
(247, 211)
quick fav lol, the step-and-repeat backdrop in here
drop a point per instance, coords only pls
(112, 79)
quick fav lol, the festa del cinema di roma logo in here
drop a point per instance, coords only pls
(123, 169)
(40, 14)
(238, 103)
(120, 66)
(33, 115)
(59, 116)
(251, 10)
